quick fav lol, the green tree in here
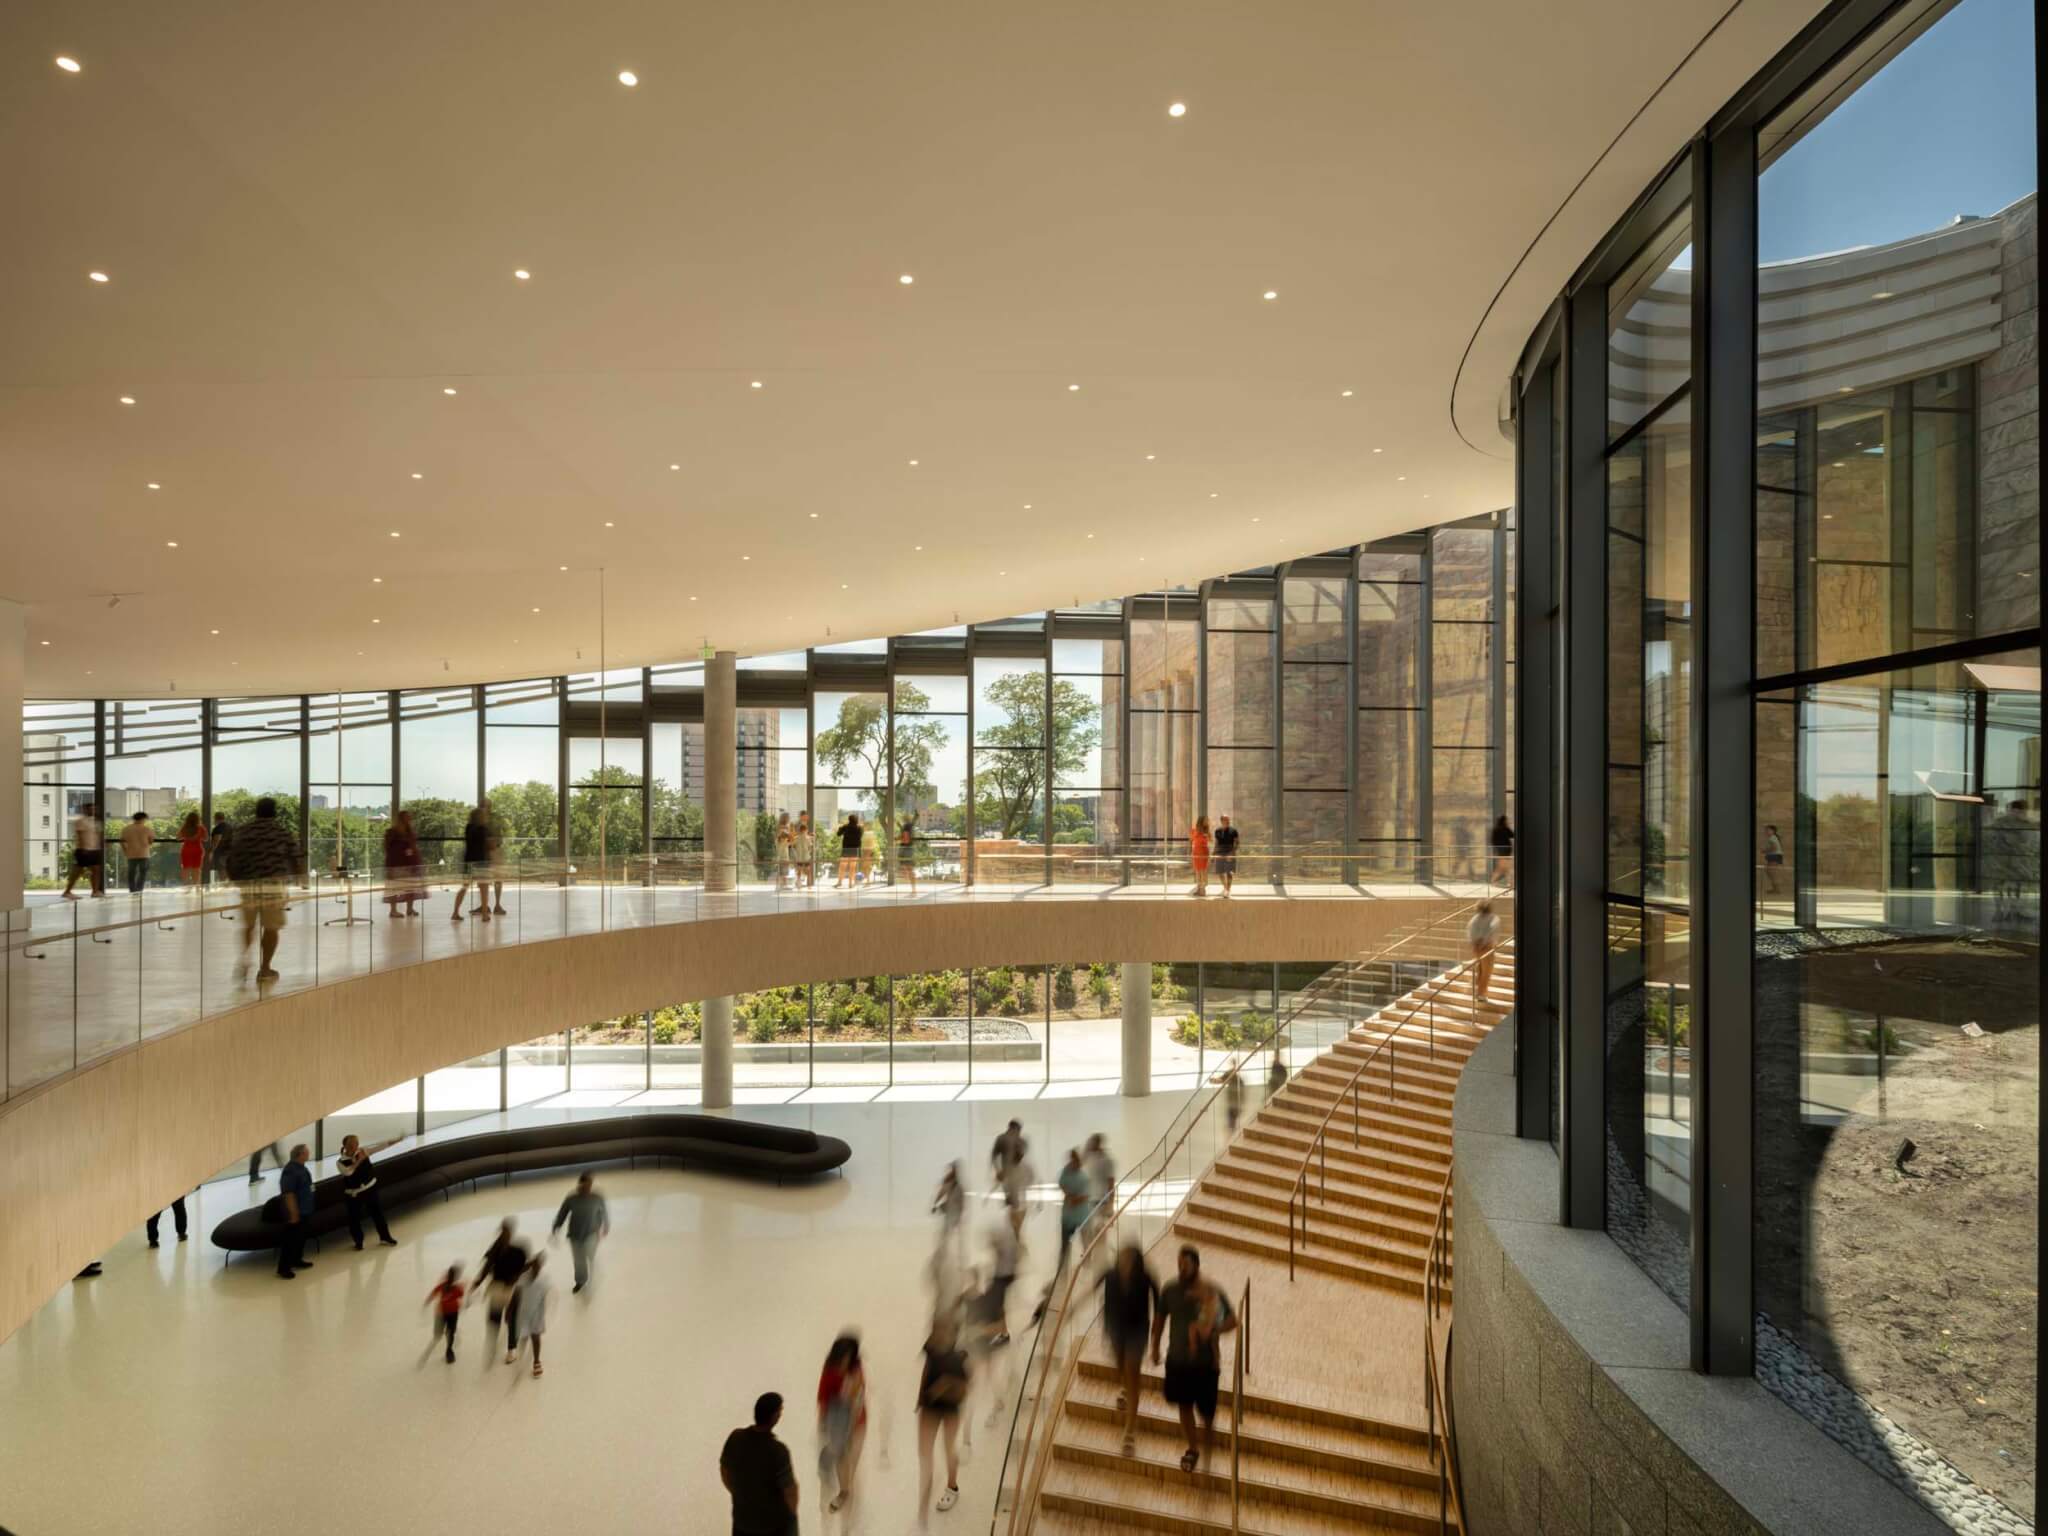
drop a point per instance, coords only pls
(854, 749)
(1009, 783)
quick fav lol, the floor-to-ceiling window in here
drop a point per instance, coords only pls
(1898, 795)
(1391, 709)
(1238, 722)
(1088, 672)
(1165, 728)
(1649, 510)
(1315, 716)
(1012, 728)
(523, 769)
(348, 757)
(437, 770)
(929, 734)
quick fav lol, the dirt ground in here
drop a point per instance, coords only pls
(1924, 1278)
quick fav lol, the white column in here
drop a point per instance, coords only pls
(13, 682)
(716, 1052)
(721, 849)
(1137, 1000)
(721, 773)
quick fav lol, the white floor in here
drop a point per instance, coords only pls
(173, 1394)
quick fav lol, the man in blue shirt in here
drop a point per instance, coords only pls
(297, 1183)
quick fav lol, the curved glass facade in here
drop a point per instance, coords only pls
(1781, 965)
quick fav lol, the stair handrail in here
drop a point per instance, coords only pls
(1239, 1371)
(1443, 1442)
(1054, 1329)
(1318, 1148)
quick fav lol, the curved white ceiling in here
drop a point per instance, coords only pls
(311, 218)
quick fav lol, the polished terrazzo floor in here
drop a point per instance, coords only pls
(174, 1394)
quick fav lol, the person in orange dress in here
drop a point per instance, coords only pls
(1198, 851)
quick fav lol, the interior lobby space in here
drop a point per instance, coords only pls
(1288, 758)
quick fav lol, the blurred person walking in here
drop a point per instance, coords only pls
(950, 1204)
(785, 850)
(1197, 1314)
(1503, 840)
(1129, 1298)
(941, 1390)
(217, 841)
(1198, 853)
(589, 1220)
(804, 845)
(1013, 1174)
(870, 850)
(1233, 1098)
(359, 1188)
(497, 1281)
(88, 857)
(1075, 1204)
(1482, 934)
(256, 1160)
(191, 850)
(1100, 1167)
(530, 1306)
(446, 1300)
(476, 863)
(756, 1470)
(1226, 852)
(404, 867)
(849, 851)
(296, 1191)
(263, 856)
(842, 1420)
(1774, 858)
(138, 840)
(906, 850)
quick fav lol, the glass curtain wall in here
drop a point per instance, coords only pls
(1013, 725)
(154, 765)
(437, 770)
(1088, 676)
(348, 757)
(1798, 720)
(1463, 763)
(60, 749)
(1315, 715)
(1239, 719)
(1898, 811)
(523, 767)
(929, 736)
(1165, 726)
(850, 762)
(1393, 691)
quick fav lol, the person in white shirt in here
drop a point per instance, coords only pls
(87, 856)
(1483, 933)
(534, 1292)
(138, 838)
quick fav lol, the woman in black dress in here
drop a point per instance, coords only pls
(941, 1391)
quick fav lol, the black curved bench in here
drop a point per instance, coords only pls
(695, 1141)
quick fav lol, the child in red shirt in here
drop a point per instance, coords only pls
(449, 1294)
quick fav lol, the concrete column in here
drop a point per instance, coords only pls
(716, 1038)
(13, 682)
(1137, 1000)
(721, 774)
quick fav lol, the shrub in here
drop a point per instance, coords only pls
(1102, 986)
(1164, 988)
(1063, 987)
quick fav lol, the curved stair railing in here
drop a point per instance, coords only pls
(1443, 1434)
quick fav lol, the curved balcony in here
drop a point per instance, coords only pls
(142, 1056)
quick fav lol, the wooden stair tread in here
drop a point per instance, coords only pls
(1398, 1456)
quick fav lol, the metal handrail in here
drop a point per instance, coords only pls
(1450, 1499)
(1037, 1457)
(1318, 1150)
(1239, 1372)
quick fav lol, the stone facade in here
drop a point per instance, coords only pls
(2009, 437)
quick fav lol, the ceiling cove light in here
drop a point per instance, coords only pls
(628, 78)
(1178, 109)
(99, 277)
(70, 66)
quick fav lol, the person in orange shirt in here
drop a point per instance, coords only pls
(1198, 851)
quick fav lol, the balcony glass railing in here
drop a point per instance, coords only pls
(91, 976)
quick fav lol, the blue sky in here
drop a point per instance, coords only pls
(1946, 128)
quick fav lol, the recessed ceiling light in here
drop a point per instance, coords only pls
(1212, 495)
(814, 516)
(154, 486)
(913, 463)
(376, 581)
(627, 77)
(213, 631)
(127, 399)
(1400, 477)
(918, 547)
(70, 66)
(1091, 535)
(448, 389)
(1255, 519)
(1347, 393)
(675, 466)
(1002, 573)
(608, 525)
(394, 533)
(1270, 294)
(693, 597)
(842, 585)
(170, 543)
(563, 567)
(376, 621)
(98, 277)
(47, 642)
(1150, 457)
(1178, 109)
(906, 279)
(746, 557)
(755, 384)
(1376, 450)
(417, 475)
(1027, 506)
(536, 610)
(1072, 387)
(521, 273)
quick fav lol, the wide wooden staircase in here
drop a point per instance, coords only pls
(1333, 1436)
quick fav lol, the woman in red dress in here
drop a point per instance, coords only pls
(1198, 851)
(191, 849)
